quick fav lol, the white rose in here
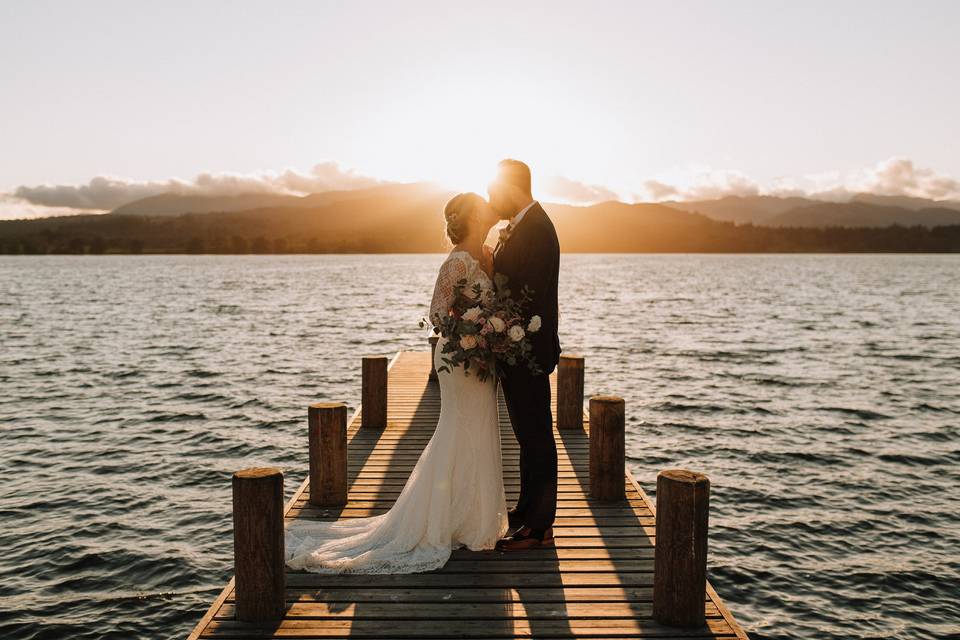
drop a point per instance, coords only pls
(516, 333)
(472, 314)
(468, 342)
(534, 325)
(498, 324)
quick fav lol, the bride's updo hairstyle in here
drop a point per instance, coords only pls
(458, 213)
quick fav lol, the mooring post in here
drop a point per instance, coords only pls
(374, 392)
(607, 448)
(680, 553)
(258, 550)
(434, 339)
(327, 433)
(570, 392)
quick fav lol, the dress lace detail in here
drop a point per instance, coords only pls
(459, 265)
(454, 496)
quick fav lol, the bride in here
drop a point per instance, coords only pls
(454, 497)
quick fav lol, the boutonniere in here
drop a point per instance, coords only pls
(505, 233)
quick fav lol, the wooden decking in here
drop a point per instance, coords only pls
(596, 583)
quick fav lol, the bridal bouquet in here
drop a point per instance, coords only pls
(485, 326)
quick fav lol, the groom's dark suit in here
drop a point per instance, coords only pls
(531, 256)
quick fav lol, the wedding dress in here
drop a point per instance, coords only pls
(454, 496)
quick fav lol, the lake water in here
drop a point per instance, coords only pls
(820, 393)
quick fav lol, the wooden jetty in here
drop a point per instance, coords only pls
(599, 581)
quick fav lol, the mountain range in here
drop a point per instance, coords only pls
(407, 218)
(398, 218)
(173, 204)
(862, 210)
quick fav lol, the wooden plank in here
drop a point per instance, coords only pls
(562, 520)
(463, 628)
(218, 603)
(405, 593)
(570, 507)
(569, 517)
(472, 580)
(515, 609)
(596, 583)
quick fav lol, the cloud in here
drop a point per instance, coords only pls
(326, 176)
(901, 177)
(659, 190)
(104, 192)
(13, 208)
(720, 184)
(892, 177)
(568, 190)
(703, 184)
(100, 193)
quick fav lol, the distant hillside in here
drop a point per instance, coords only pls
(861, 214)
(752, 209)
(169, 204)
(408, 218)
(905, 202)
(863, 210)
(617, 227)
(174, 204)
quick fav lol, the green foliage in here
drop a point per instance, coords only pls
(473, 316)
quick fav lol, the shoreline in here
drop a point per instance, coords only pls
(438, 253)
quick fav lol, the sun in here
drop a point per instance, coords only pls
(454, 132)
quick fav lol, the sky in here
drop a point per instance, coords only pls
(103, 102)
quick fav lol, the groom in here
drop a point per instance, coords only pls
(528, 253)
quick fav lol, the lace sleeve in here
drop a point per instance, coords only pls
(451, 272)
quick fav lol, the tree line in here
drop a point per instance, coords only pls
(269, 232)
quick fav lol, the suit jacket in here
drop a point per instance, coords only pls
(531, 256)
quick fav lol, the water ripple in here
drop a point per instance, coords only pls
(820, 393)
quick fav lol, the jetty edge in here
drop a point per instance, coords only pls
(605, 578)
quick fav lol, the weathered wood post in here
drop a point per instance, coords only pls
(434, 339)
(374, 392)
(570, 392)
(607, 448)
(258, 550)
(680, 554)
(327, 433)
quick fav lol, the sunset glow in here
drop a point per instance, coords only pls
(548, 254)
(640, 101)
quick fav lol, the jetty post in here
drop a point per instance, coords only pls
(258, 548)
(570, 392)
(327, 435)
(607, 448)
(680, 553)
(373, 392)
(250, 604)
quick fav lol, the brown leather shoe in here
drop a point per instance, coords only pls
(526, 538)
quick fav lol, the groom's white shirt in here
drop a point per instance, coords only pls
(514, 221)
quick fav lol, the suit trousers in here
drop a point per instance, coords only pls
(528, 403)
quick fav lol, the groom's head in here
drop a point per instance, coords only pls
(510, 190)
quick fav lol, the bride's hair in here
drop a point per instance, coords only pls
(458, 212)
